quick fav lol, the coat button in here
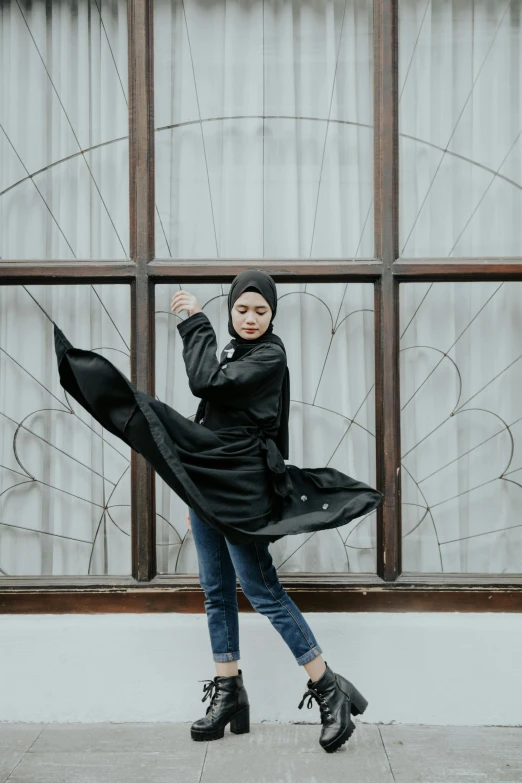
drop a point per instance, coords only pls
(303, 497)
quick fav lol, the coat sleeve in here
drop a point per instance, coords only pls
(236, 383)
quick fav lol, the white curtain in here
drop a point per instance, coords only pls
(63, 129)
(460, 195)
(332, 414)
(460, 128)
(264, 138)
(64, 480)
(461, 375)
(64, 483)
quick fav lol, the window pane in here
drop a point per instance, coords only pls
(332, 414)
(264, 139)
(460, 128)
(64, 481)
(64, 129)
(461, 377)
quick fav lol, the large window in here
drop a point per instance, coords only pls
(368, 155)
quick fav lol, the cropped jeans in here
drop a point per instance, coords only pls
(219, 562)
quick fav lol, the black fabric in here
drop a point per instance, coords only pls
(228, 470)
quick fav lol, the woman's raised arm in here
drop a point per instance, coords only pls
(236, 382)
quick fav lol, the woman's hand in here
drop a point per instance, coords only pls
(187, 517)
(182, 300)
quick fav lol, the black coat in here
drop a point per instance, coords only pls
(228, 468)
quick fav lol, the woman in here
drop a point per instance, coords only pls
(228, 465)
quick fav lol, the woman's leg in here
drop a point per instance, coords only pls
(260, 583)
(316, 668)
(218, 580)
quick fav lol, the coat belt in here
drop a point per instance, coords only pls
(281, 478)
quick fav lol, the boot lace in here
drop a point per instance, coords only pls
(212, 690)
(326, 715)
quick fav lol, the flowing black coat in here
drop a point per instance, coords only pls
(227, 467)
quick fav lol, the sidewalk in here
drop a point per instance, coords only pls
(271, 753)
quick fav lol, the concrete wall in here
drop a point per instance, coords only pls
(436, 668)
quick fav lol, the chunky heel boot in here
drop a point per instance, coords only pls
(240, 722)
(228, 704)
(358, 702)
(338, 700)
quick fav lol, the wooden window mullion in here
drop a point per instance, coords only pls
(141, 165)
(387, 290)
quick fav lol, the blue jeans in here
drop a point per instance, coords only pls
(219, 562)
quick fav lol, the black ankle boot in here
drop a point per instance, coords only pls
(228, 703)
(338, 700)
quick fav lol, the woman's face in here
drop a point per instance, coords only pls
(251, 315)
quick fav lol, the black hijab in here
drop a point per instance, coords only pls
(253, 280)
(260, 281)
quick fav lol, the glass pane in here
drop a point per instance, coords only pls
(332, 414)
(460, 81)
(264, 138)
(64, 480)
(461, 377)
(64, 129)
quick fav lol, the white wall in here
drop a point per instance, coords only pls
(438, 668)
